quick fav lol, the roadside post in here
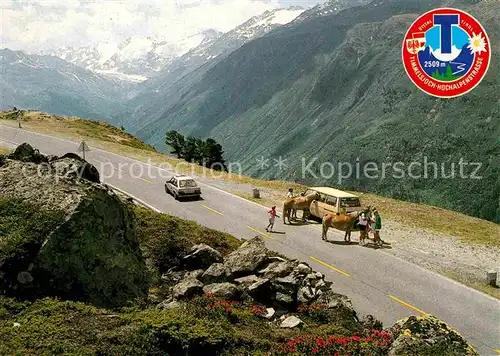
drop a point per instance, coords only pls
(83, 148)
(18, 118)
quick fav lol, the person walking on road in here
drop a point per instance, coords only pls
(272, 216)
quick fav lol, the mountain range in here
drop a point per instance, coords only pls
(50, 84)
(135, 59)
(327, 86)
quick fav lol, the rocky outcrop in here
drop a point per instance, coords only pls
(252, 272)
(427, 336)
(90, 252)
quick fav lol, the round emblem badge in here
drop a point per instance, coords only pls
(446, 52)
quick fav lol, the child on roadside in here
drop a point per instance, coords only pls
(362, 224)
(272, 215)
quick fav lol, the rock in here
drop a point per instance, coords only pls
(172, 276)
(168, 304)
(90, 249)
(247, 280)
(286, 290)
(305, 295)
(491, 278)
(277, 269)
(336, 301)
(284, 299)
(24, 277)
(216, 273)
(52, 158)
(201, 256)
(269, 313)
(339, 307)
(25, 153)
(223, 290)
(73, 166)
(291, 322)
(320, 284)
(259, 290)
(291, 281)
(312, 276)
(196, 274)
(187, 288)
(303, 268)
(247, 258)
(272, 259)
(370, 323)
(427, 336)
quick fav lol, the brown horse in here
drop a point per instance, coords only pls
(343, 222)
(298, 203)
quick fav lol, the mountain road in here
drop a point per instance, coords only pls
(378, 283)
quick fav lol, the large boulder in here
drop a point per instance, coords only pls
(277, 269)
(201, 256)
(247, 258)
(187, 288)
(26, 153)
(77, 239)
(72, 165)
(216, 273)
(427, 336)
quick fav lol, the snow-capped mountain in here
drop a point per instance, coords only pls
(51, 84)
(329, 8)
(178, 77)
(136, 59)
(255, 27)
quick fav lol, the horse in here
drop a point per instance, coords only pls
(298, 203)
(344, 222)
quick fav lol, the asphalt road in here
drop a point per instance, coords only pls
(377, 283)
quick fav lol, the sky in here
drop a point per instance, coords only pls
(36, 25)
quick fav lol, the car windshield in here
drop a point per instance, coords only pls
(349, 202)
(187, 183)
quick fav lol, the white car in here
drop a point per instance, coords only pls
(181, 186)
